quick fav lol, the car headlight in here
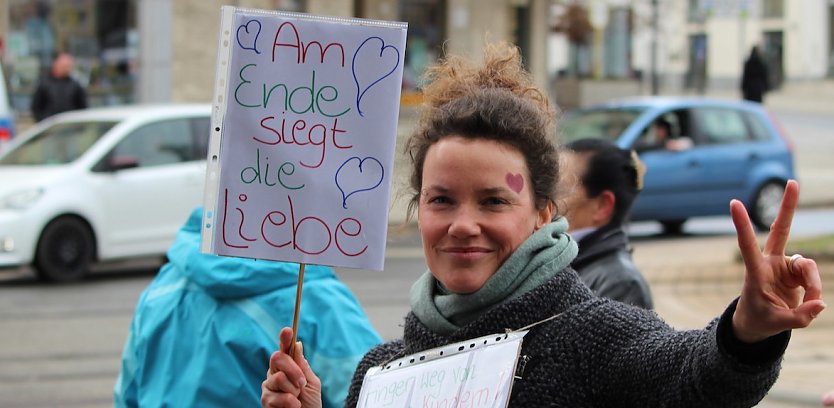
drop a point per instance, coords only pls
(20, 200)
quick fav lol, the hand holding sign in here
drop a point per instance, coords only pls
(290, 378)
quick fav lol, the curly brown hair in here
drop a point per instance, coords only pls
(495, 101)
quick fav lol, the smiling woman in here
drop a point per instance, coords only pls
(484, 180)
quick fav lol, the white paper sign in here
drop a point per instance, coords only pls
(303, 134)
(474, 373)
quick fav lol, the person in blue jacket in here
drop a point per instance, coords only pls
(204, 329)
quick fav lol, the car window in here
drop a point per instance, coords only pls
(201, 128)
(722, 125)
(601, 124)
(760, 132)
(60, 143)
(160, 143)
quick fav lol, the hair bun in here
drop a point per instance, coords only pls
(639, 170)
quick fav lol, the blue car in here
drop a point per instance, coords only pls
(700, 153)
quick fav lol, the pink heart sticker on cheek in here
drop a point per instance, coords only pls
(516, 182)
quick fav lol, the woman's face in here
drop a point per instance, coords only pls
(476, 207)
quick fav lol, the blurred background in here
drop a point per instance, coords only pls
(130, 51)
(60, 345)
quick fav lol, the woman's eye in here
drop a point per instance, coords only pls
(495, 201)
(438, 200)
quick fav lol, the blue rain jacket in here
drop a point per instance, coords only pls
(203, 331)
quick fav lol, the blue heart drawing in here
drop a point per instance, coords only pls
(356, 178)
(247, 41)
(367, 64)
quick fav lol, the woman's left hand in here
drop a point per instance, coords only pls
(778, 294)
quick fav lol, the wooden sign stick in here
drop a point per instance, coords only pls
(299, 287)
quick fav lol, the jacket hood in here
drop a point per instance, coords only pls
(230, 277)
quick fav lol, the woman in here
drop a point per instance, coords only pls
(484, 179)
(601, 182)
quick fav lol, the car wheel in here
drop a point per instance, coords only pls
(672, 227)
(766, 204)
(65, 251)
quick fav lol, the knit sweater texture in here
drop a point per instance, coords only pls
(603, 353)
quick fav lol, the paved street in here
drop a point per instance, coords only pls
(60, 345)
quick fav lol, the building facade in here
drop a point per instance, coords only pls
(696, 45)
(131, 51)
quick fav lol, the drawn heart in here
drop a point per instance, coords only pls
(248, 40)
(356, 175)
(371, 67)
(515, 181)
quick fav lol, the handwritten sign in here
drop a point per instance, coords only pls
(474, 373)
(304, 128)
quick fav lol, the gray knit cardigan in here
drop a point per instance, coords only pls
(602, 353)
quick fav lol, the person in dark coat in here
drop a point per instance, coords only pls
(754, 82)
(58, 92)
(484, 178)
(601, 182)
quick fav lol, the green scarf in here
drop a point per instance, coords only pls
(545, 253)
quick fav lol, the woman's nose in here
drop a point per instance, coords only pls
(465, 223)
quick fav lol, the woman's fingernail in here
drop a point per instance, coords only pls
(302, 382)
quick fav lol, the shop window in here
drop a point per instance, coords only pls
(101, 35)
(424, 39)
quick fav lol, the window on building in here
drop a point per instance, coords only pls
(101, 35)
(426, 19)
(696, 11)
(773, 8)
(617, 53)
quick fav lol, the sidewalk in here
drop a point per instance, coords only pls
(690, 289)
(798, 96)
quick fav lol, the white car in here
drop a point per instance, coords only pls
(100, 184)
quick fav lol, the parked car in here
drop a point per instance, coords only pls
(718, 150)
(100, 184)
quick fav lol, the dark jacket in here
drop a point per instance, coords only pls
(602, 353)
(754, 79)
(56, 95)
(604, 264)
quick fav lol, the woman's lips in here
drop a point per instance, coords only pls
(465, 252)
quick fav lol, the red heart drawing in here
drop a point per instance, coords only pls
(516, 182)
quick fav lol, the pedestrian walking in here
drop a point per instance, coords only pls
(754, 78)
(57, 91)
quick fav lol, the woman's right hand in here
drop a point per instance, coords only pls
(290, 382)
